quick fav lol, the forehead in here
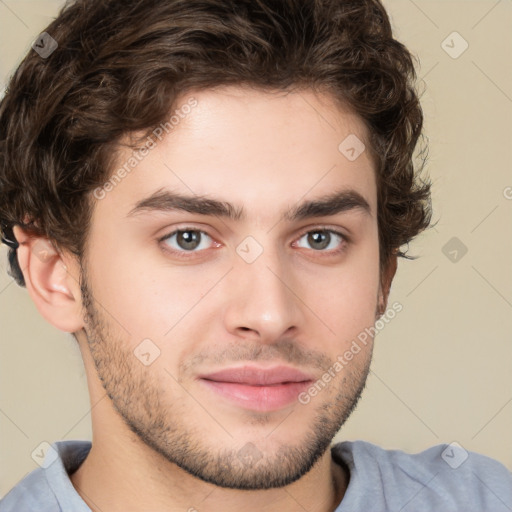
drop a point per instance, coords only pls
(258, 150)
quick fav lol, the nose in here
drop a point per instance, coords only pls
(261, 299)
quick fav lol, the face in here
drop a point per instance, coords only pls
(251, 280)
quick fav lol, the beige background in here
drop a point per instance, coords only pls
(442, 369)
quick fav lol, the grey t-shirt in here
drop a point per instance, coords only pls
(443, 478)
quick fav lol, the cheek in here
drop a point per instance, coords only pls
(150, 299)
(127, 293)
(346, 298)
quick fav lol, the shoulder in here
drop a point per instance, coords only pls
(444, 474)
(30, 493)
(49, 488)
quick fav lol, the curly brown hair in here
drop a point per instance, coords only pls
(120, 66)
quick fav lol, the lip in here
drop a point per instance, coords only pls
(258, 389)
(254, 376)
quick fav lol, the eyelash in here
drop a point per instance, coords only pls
(189, 254)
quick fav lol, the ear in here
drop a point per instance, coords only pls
(385, 284)
(52, 280)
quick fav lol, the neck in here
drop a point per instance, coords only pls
(120, 473)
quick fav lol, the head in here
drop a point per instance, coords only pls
(291, 128)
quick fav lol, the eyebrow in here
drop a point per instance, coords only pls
(165, 200)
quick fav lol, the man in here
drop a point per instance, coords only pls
(212, 196)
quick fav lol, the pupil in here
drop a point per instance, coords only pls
(188, 239)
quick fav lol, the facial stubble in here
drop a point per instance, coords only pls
(138, 398)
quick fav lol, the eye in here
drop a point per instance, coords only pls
(186, 240)
(324, 240)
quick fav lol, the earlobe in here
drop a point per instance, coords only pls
(54, 290)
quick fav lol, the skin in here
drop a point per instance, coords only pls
(161, 439)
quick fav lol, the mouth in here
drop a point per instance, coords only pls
(258, 389)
